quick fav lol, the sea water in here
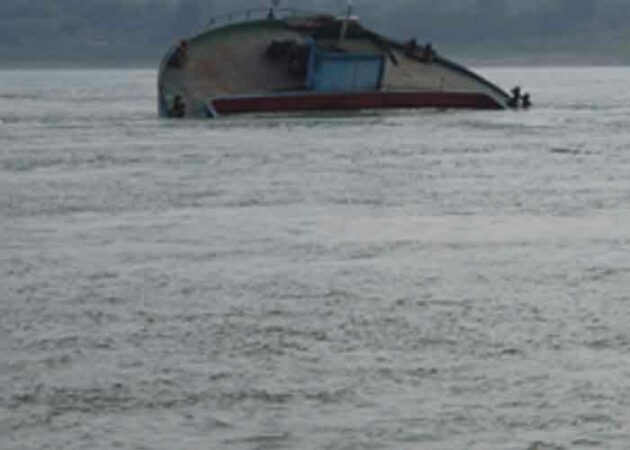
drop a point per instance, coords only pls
(374, 280)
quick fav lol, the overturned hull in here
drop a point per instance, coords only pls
(311, 63)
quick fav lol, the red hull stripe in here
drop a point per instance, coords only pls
(369, 100)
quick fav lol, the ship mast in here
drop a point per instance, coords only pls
(346, 21)
(273, 4)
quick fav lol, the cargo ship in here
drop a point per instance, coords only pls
(273, 60)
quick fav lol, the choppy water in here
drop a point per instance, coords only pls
(405, 280)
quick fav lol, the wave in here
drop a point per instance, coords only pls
(98, 160)
(21, 96)
(539, 445)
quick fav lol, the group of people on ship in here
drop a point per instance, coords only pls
(519, 99)
(427, 53)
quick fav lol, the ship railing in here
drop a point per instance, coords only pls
(257, 14)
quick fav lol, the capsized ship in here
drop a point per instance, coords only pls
(290, 61)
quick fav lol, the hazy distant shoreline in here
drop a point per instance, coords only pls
(77, 64)
(152, 63)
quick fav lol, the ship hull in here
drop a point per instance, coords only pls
(352, 101)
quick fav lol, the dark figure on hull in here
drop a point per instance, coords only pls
(429, 53)
(516, 97)
(178, 110)
(527, 101)
(279, 50)
(298, 61)
(180, 56)
(410, 47)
